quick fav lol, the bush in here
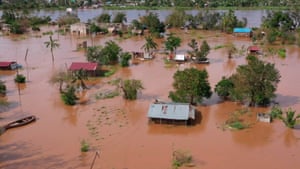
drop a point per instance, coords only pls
(20, 78)
(69, 97)
(2, 88)
(84, 146)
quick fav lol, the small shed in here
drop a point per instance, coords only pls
(79, 29)
(242, 32)
(264, 117)
(8, 65)
(89, 67)
(171, 112)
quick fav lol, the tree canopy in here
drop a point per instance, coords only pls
(172, 43)
(254, 83)
(190, 85)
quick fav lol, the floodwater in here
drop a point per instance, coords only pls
(118, 129)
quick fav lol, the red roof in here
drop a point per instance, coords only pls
(83, 65)
(253, 48)
(6, 64)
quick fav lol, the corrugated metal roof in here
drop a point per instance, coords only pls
(6, 64)
(83, 65)
(172, 111)
(242, 30)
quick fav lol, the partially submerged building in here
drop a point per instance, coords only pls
(79, 29)
(8, 65)
(89, 67)
(242, 32)
(180, 113)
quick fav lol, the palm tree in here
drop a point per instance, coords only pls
(52, 44)
(149, 45)
(290, 120)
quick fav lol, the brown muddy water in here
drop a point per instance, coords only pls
(119, 129)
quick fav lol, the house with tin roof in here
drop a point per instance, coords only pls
(171, 112)
(90, 68)
(242, 32)
(8, 65)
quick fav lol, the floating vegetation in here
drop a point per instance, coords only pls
(235, 121)
(181, 158)
(107, 94)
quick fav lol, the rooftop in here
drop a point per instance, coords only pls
(172, 111)
(84, 66)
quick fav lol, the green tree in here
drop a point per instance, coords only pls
(130, 88)
(110, 53)
(120, 18)
(103, 18)
(52, 44)
(176, 19)
(20, 78)
(93, 53)
(290, 120)
(172, 43)
(224, 87)
(125, 57)
(149, 45)
(152, 23)
(67, 19)
(229, 21)
(2, 88)
(204, 51)
(190, 85)
(195, 49)
(255, 82)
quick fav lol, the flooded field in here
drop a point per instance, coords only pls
(118, 129)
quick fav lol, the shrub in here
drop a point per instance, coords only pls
(20, 78)
(84, 146)
(2, 88)
(69, 97)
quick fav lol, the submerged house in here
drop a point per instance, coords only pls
(253, 50)
(242, 32)
(79, 29)
(8, 65)
(171, 112)
(89, 67)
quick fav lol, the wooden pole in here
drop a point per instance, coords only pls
(96, 155)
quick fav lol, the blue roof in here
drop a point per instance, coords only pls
(175, 111)
(242, 30)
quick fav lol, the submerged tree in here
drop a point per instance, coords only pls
(224, 87)
(124, 59)
(172, 43)
(191, 85)
(149, 45)
(52, 44)
(255, 82)
(2, 88)
(130, 88)
(69, 97)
